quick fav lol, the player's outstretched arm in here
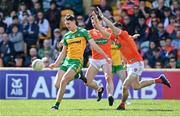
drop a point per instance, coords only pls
(99, 50)
(109, 23)
(60, 58)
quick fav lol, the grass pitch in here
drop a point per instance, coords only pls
(89, 108)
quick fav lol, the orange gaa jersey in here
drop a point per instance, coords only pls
(102, 42)
(128, 47)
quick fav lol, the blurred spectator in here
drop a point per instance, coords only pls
(160, 5)
(142, 29)
(25, 21)
(7, 51)
(23, 11)
(170, 27)
(9, 19)
(143, 9)
(36, 8)
(19, 61)
(2, 24)
(104, 6)
(146, 63)
(16, 38)
(2, 31)
(32, 56)
(168, 46)
(176, 29)
(153, 15)
(15, 21)
(46, 62)
(46, 51)
(57, 37)
(166, 19)
(80, 21)
(176, 42)
(172, 63)
(30, 33)
(158, 65)
(43, 27)
(53, 16)
(149, 54)
(128, 25)
(75, 5)
(1, 62)
(156, 36)
(6, 6)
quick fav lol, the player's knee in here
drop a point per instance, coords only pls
(133, 75)
(56, 85)
(108, 77)
(124, 87)
(136, 88)
(88, 82)
(64, 81)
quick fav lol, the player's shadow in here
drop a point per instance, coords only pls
(89, 109)
(152, 110)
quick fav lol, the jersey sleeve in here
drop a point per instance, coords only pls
(86, 34)
(64, 41)
(112, 37)
(124, 34)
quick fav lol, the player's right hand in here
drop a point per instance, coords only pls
(100, 13)
(53, 65)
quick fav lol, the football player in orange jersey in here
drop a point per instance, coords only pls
(98, 62)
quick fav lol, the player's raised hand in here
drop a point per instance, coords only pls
(135, 36)
(100, 12)
(94, 17)
(53, 65)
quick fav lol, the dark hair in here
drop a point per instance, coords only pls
(117, 24)
(14, 25)
(53, 2)
(15, 17)
(69, 17)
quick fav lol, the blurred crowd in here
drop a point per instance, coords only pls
(31, 29)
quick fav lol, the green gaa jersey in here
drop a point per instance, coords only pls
(76, 43)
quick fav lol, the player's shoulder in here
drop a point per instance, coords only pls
(67, 34)
(82, 30)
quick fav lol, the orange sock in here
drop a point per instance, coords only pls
(158, 80)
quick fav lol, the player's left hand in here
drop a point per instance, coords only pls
(135, 36)
(100, 13)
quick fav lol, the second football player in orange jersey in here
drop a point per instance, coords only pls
(135, 64)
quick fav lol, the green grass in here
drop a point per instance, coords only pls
(89, 108)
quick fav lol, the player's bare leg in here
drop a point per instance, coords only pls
(107, 69)
(58, 78)
(126, 85)
(122, 75)
(90, 75)
(67, 77)
(136, 84)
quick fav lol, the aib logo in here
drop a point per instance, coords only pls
(16, 86)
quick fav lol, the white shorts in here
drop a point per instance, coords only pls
(136, 68)
(97, 63)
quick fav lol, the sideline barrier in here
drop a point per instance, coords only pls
(21, 83)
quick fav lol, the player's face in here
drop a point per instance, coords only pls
(70, 24)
